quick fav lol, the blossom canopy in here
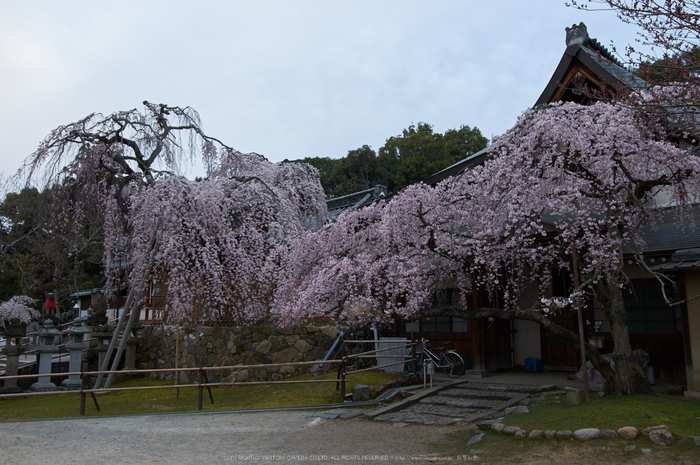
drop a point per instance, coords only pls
(566, 177)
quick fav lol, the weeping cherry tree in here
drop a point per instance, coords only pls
(216, 241)
(566, 180)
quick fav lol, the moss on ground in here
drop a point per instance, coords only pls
(164, 400)
(680, 415)
(612, 412)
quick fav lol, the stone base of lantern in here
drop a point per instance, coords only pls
(71, 384)
(43, 387)
(10, 390)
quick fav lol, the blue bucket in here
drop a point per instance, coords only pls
(533, 365)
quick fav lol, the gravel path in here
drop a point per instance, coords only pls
(245, 438)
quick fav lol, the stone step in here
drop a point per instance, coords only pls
(444, 411)
(459, 403)
(477, 394)
(522, 388)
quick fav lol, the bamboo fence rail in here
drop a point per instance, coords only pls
(203, 381)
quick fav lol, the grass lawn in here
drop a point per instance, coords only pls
(164, 401)
(612, 412)
(680, 415)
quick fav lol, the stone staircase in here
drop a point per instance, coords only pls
(458, 402)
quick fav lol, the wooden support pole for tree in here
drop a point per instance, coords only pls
(133, 317)
(582, 339)
(113, 342)
(136, 310)
(134, 298)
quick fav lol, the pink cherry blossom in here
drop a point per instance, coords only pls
(219, 238)
(18, 307)
(565, 177)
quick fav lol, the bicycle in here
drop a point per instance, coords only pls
(448, 360)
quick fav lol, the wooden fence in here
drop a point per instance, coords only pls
(203, 381)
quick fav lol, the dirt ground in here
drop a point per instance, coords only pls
(290, 437)
(571, 452)
(237, 438)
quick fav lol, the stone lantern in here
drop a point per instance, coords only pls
(76, 344)
(13, 349)
(103, 336)
(49, 338)
(131, 345)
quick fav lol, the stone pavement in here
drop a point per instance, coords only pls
(466, 400)
(459, 402)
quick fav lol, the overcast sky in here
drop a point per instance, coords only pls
(287, 79)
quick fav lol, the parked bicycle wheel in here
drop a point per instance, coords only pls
(453, 363)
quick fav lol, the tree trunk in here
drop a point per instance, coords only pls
(628, 377)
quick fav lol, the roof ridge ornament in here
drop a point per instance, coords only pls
(577, 35)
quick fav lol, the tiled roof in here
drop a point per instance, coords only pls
(667, 236)
(591, 55)
(612, 66)
(682, 260)
(349, 202)
(472, 160)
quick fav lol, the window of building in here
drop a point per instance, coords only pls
(648, 312)
(438, 324)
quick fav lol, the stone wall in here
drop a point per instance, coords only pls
(228, 346)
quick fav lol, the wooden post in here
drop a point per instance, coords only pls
(206, 381)
(414, 354)
(177, 363)
(342, 383)
(340, 370)
(82, 395)
(376, 346)
(86, 384)
(201, 388)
